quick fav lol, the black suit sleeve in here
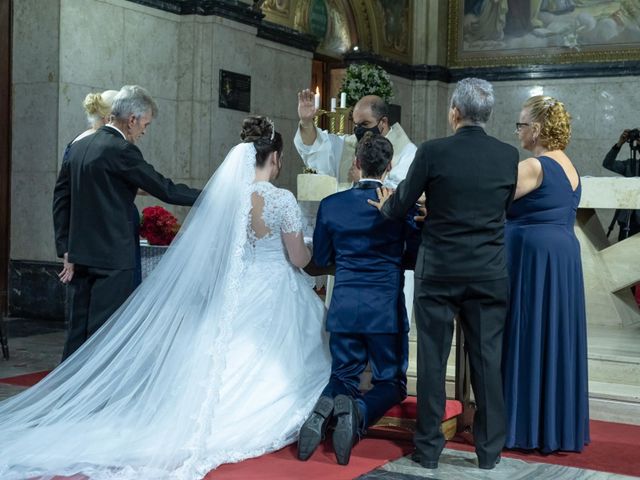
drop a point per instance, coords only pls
(611, 164)
(324, 254)
(136, 171)
(409, 190)
(62, 210)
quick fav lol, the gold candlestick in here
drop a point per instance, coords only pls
(337, 119)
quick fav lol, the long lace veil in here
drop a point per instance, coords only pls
(130, 402)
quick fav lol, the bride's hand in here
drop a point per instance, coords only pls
(383, 195)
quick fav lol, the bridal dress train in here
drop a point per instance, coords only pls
(218, 356)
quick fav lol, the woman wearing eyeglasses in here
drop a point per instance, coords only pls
(545, 341)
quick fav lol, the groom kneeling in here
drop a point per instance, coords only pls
(367, 317)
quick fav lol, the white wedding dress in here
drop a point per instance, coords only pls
(218, 356)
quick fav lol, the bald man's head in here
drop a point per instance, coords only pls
(369, 113)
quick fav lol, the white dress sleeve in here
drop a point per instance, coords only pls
(291, 220)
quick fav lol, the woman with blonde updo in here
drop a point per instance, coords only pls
(545, 341)
(97, 107)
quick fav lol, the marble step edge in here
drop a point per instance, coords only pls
(614, 358)
(597, 357)
(597, 390)
(614, 391)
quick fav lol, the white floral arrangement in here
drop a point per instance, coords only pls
(366, 79)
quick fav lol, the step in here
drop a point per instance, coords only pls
(613, 402)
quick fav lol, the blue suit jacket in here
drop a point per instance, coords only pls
(367, 250)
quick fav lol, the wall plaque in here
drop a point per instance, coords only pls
(235, 91)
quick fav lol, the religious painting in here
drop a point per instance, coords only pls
(517, 32)
(396, 25)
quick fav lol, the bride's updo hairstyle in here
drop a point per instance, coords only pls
(259, 131)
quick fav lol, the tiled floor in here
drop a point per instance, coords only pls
(33, 346)
(457, 465)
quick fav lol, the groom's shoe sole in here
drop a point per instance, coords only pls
(313, 430)
(346, 431)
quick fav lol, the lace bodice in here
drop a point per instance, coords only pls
(279, 214)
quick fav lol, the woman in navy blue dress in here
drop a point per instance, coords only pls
(545, 342)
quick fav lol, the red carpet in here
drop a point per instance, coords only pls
(283, 464)
(26, 380)
(614, 448)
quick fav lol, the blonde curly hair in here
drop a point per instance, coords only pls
(554, 120)
(98, 106)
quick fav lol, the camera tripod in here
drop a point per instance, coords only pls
(625, 228)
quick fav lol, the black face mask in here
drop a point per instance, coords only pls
(359, 131)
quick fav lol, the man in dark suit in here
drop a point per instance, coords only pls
(469, 180)
(92, 204)
(367, 316)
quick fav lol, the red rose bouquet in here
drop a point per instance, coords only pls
(158, 226)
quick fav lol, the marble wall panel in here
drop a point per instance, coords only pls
(419, 112)
(616, 106)
(151, 53)
(34, 145)
(36, 292)
(188, 68)
(92, 43)
(202, 151)
(36, 26)
(31, 220)
(279, 73)
(403, 96)
(233, 47)
(183, 147)
(205, 79)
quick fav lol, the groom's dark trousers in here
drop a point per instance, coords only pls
(367, 316)
(469, 180)
(93, 202)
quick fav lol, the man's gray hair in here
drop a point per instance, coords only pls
(133, 99)
(473, 97)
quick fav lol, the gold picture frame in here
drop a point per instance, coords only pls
(494, 33)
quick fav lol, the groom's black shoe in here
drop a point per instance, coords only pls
(489, 465)
(346, 432)
(313, 430)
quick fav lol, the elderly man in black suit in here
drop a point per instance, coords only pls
(469, 180)
(92, 204)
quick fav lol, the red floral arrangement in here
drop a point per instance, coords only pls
(158, 226)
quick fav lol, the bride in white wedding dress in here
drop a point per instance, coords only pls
(218, 356)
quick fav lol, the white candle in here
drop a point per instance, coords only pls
(343, 100)
(316, 98)
(333, 104)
